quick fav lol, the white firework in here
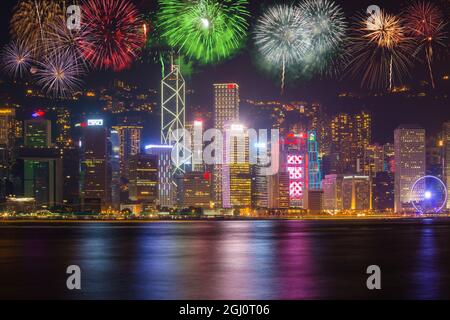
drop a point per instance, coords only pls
(328, 28)
(282, 37)
(59, 75)
(16, 59)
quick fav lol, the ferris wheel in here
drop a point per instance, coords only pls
(428, 195)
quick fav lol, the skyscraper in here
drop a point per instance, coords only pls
(278, 194)
(129, 145)
(42, 165)
(226, 110)
(373, 160)
(260, 186)
(63, 139)
(196, 190)
(173, 117)
(362, 134)
(166, 185)
(356, 193)
(383, 191)
(195, 129)
(409, 144)
(332, 192)
(350, 136)
(314, 163)
(144, 178)
(236, 178)
(95, 170)
(38, 132)
(7, 121)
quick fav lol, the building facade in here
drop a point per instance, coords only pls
(409, 144)
(226, 110)
(143, 178)
(95, 170)
(236, 175)
(356, 193)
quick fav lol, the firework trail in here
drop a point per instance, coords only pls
(206, 30)
(426, 24)
(282, 38)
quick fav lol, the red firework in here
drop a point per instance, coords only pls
(112, 35)
(425, 23)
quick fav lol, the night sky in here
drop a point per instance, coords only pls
(388, 112)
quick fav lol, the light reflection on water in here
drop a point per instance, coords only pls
(227, 259)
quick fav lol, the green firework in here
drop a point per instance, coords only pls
(206, 30)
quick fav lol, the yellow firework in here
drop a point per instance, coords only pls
(385, 30)
(380, 49)
(31, 20)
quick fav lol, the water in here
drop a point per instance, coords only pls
(227, 259)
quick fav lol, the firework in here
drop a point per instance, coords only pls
(60, 40)
(58, 75)
(425, 23)
(112, 33)
(380, 49)
(282, 38)
(16, 59)
(205, 30)
(30, 21)
(328, 30)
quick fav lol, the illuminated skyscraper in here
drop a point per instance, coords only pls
(42, 165)
(278, 194)
(7, 122)
(195, 128)
(293, 156)
(260, 186)
(196, 188)
(166, 187)
(226, 110)
(389, 157)
(409, 143)
(173, 117)
(43, 177)
(38, 133)
(314, 163)
(63, 138)
(362, 135)
(332, 192)
(129, 145)
(144, 178)
(373, 160)
(350, 136)
(383, 191)
(236, 177)
(341, 159)
(356, 193)
(95, 170)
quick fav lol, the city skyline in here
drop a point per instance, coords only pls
(224, 149)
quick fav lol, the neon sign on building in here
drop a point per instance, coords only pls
(295, 168)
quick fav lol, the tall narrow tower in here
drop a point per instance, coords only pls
(173, 116)
(226, 110)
